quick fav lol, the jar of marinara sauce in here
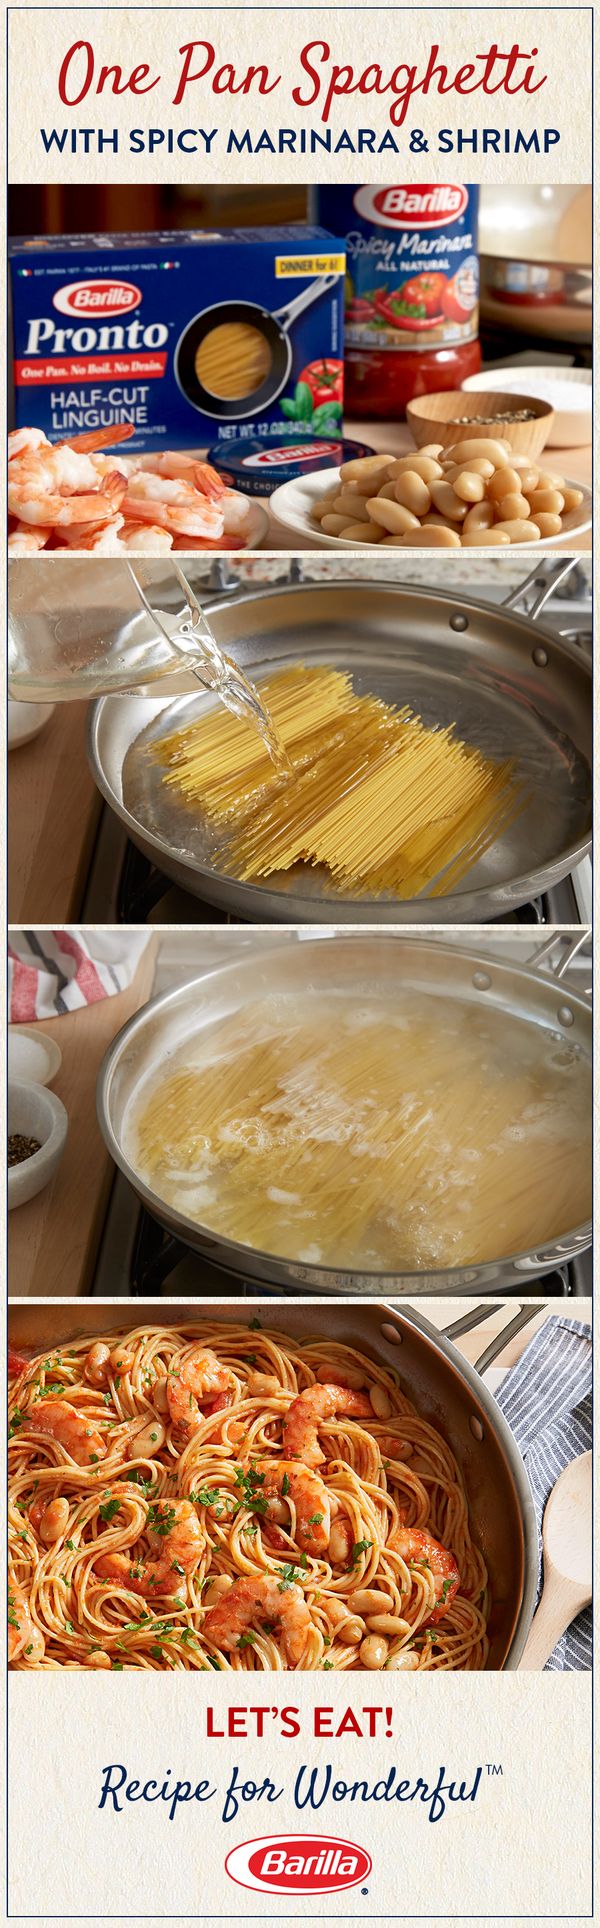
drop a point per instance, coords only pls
(412, 291)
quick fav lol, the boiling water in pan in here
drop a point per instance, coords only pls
(384, 1133)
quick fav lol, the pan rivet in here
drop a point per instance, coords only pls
(391, 1332)
(539, 657)
(565, 1015)
(476, 1427)
(481, 981)
(459, 622)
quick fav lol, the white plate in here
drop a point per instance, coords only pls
(572, 427)
(33, 1057)
(293, 502)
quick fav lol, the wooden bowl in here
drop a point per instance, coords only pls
(433, 418)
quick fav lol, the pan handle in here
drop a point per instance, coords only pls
(559, 959)
(547, 589)
(285, 316)
(495, 1346)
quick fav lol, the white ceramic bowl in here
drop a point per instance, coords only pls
(293, 502)
(25, 720)
(572, 425)
(37, 1113)
(32, 1055)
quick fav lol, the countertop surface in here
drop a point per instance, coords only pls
(53, 1240)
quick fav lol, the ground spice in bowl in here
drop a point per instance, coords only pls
(20, 1148)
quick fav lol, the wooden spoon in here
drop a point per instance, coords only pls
(567, 1543)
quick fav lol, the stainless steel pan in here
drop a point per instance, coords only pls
(355, 962)
(446, 1390)
(512, 690)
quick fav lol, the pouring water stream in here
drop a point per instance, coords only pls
(213, 669)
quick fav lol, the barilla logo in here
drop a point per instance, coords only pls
(289, 452)
(298, 1864)
(411, 207)
(97, 298)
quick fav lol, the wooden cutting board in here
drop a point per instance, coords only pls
(53, 811)
(53, 1241)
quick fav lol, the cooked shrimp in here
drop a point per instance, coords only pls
(176, 466)
(173, 505)
(30, 500)
(260, 1599)
(309, 1497)
(145, 536)
(174, 1528)
(94, 439)
(26, 542)
(23, 1636)
(102, 540)
(310, 1409)
(193, 1383)
(25, 441)
(56, 1419)
(415, 1545)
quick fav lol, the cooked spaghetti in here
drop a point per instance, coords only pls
(233, 360)
(389, 1131)
(221, 1496)
(384, 803)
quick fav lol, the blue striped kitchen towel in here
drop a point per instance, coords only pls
(547, 1401)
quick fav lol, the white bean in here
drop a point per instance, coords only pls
(404, 1662)
(550, 501)
(432, 538)
(352, 1631)
(362, 532)
(54, 1521)
(148, 1442)
(366, 468)
(469, 486)
(100, 1659)
(426, 466)
(572, 498)
(389, 1623)
(332, 525)
(496, 452)
(548, 525)
(350, 503)
(374, 1651)
(514, 507)
(485, 538)
(413, 493)
(394, 516)
(160, 1398)
(120, 1361)
(448, 503)
(481, 516)
(339, 1543)
(353, 1376)
(380, 1401)
(519, 531)
(505, 482)
(369, 1600)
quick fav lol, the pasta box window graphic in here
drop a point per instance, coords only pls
(298, 1864)
(187, 336)
(413, 274)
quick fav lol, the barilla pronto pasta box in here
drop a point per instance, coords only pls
(194, 338)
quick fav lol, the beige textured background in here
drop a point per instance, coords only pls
(275, 35)
(523, 1848)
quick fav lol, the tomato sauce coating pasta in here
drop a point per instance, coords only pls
(222, 1496)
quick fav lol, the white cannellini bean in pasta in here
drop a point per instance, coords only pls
(149, 1441)
(380, 1401)
(406, 1661)
(374, 1651)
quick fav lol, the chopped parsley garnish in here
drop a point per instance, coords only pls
(18, 1419)
(107, 1512)
(327, 1666)
(246, 1640)
(291, 1574)
(255, 1325)
(161, 1519)
(248, 1484)
(285, 1487)
(316, 1519)
(360, 1547)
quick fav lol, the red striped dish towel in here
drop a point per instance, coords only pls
(53, 971)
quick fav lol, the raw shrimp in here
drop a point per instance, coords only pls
(414, 1545)
(310, 1409)
(309, 1497)
(174, 1529)
(30, 500)
(23, 1636)
(260, 1599)
(58, 1420)
(26, 542)
(189, 1385)
(173, 505)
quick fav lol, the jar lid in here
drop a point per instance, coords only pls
(257, 466)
